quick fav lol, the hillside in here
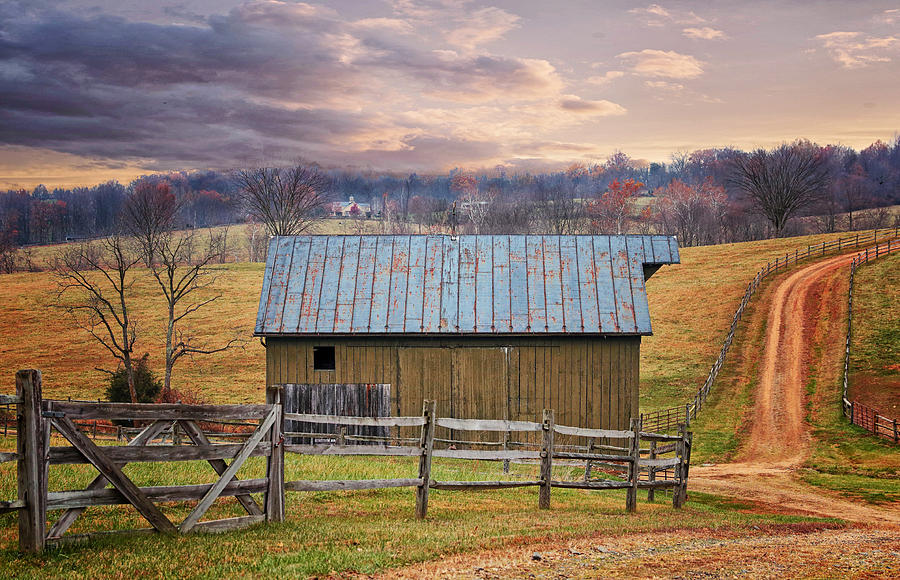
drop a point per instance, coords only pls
(691, 305)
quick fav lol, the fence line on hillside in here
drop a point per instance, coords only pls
(862, 415)
(667, 419)
(633, 468)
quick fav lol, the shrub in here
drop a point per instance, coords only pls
(145, 383)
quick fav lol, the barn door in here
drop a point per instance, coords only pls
(481, 382)
(352, 399)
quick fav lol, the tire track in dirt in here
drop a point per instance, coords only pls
(806, 309)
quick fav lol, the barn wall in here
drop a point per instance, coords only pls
(588, 381)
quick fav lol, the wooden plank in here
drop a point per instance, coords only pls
(591, 456)
(399, 285)
(292, 287)
(596, 433)
(11, 400)
(426, 443)
(5, 456)
(99, 482)
(659, 437)
(153, 411)
(11, 506)
(347, 485)
(487, 425)
(196, 435)
(480, 485)
(30, 473)
(78, 500)
(157, 453)
(108, 468)
(327, 449)
(546, 455)
(364, 421)
(486, 455)
(671, 462)
(343, 314)
(604, 484)
(239, 460)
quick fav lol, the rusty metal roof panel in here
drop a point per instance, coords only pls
(317, 285)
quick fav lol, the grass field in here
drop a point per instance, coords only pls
(691, 305)
(345, 532)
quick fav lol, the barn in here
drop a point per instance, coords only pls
(489, 326)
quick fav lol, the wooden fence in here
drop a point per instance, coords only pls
(667, 419)
(859, 414)
(663, 464)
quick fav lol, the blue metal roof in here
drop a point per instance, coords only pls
(499, 284)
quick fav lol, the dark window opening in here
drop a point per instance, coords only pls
(323, 358)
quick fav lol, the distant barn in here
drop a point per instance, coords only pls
(488, 326)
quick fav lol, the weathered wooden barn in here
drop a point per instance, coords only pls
(498, 326)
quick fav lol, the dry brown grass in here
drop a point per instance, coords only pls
(691, 305)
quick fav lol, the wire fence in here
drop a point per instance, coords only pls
(862, 415)
(668, 419)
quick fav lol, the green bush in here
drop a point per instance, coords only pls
(145, 383)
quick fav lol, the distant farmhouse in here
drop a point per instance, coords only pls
(498, 326)
(351, 208)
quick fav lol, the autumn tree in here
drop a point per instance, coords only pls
(287, 200)
(94, 282)
(609, 211)
(782, 181)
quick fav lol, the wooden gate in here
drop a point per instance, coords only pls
(37, 418)
(345, 400)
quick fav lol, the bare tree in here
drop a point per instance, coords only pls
(286, 200)
(557, 212)
(182, 274)
(783, 181)
(477, 205)
(93, 284)
(148, 213)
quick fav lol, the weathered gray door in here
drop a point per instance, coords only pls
(353, 399)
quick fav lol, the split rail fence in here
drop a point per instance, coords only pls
(668, 419)
(616, 456)
(866, 417)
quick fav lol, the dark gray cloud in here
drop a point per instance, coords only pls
(265, 78)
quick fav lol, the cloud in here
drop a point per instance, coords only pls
(889, 17)
(661, 63)
(269, 81)
(854, 50)
(601, 108)
(460, 24)
(704, 33)
(664, 85)
(656, 16)
(605, 78)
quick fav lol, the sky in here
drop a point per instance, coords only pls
(92, 90)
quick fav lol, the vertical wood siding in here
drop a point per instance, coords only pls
(589, 381)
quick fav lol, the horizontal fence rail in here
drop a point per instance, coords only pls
(630, 459)
(667, 419)
(861, 415)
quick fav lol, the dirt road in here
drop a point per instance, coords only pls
(805, 310)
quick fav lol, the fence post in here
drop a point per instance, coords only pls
(31, 473)
(634, 473)
(426, 444)
(852, 412)
(688, 439)
(651, 472)
(546, 460)
(506, 439)
(275, 469)
(687, 413)
(588, 465)
(896, 439)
